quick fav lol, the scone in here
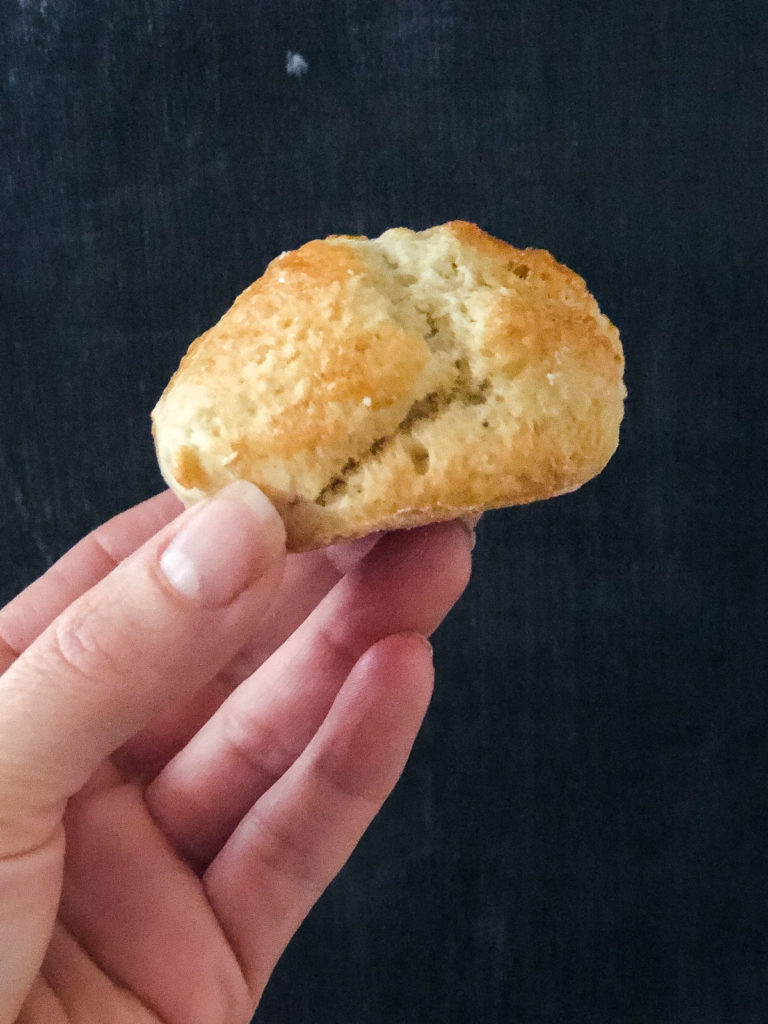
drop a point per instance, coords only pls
(370, 384)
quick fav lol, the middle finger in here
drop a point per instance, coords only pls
(407, 584)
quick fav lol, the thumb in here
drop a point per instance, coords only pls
(145, 637)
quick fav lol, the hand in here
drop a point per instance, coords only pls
(194, 734)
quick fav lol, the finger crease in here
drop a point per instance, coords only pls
(30, 851)
(57, 999)
(102, 546)
(276, 849)
(99, 966)
(77, 648)
(348, 792)
(250, 743)
(340, 648)
(9, 647)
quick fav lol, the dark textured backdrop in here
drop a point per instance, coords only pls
(581, 833)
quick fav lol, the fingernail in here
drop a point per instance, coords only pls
(469, 523)
(425, 644)
(226, 544)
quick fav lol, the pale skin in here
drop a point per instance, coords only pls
(195, 731)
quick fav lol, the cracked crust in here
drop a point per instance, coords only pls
(375, 384)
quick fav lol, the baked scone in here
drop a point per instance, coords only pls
(369, 384)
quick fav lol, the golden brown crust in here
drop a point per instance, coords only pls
(372, 384)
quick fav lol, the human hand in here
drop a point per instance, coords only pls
(188, 756)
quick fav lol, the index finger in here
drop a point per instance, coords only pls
(147, 636)
(26, 616)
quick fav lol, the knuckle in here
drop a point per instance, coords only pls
(77, 644)
(340, 787)
(283, 852)
(339, 643)
(257, 746)
(100, 542)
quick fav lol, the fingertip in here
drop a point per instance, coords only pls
(221, 547)
(404, 653)
(470, 525)
(271, 526)
(462, 541)
(444, 552)
(345, 555)
(398, 673)
(414, 653)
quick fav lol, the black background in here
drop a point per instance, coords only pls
(581, 833)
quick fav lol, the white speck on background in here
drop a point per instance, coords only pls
(295, 64)
(368, 401)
